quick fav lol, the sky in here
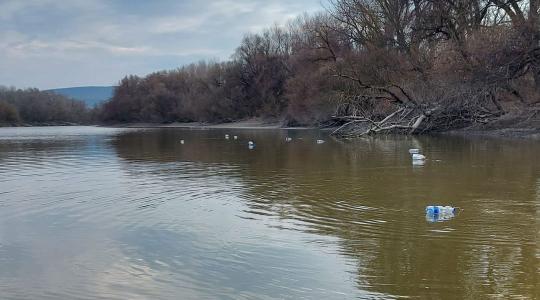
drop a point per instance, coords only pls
(64, 43)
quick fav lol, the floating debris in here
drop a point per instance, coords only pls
(418, 162)
(182, 142)
(440, 209)
(226, 136)
(417, 156)
(320, 141)
(235, 137)
(288, 139)
(440, 213)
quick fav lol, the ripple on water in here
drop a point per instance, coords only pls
(121, 214)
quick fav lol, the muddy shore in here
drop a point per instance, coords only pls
(529, 130)
(244, 124)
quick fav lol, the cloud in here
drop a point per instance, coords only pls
(38, 47)
(112, 38)
(10, 8)
(175, 24)
(234, 8)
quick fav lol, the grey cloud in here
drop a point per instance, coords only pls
(52, 43)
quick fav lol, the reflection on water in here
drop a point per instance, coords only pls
(98, 213)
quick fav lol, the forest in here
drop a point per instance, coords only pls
(360, 66)
(367, 66)
(35, 107)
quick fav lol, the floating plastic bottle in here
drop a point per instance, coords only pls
(226, 136)
(439, 209)
(417, 156)
(182, 142)
(320, 141)
(414, 151)
(235, 137)
(439, 213)
(288, 139)
(418, 162)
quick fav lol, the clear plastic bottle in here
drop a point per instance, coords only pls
(440, 210)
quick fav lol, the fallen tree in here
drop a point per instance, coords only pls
(457, 109)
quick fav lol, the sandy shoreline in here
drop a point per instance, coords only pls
(246, 124)
(519, 132)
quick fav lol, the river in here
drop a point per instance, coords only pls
(104, 213)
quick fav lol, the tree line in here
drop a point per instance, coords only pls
(367, 66)
(364, 66)
(32, 106)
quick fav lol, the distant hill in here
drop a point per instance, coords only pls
(91, 95)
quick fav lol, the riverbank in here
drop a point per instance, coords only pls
(243, 124)
(509, 126)
(529, 129)
(509, 132)
(41, 124)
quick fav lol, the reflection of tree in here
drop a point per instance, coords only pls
(367, 194)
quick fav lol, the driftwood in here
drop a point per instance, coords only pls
(408, 116)
(402, 120)
(374, 109)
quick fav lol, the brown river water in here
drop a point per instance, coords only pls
(103, 213)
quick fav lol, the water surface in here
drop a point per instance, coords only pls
(101, 213)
